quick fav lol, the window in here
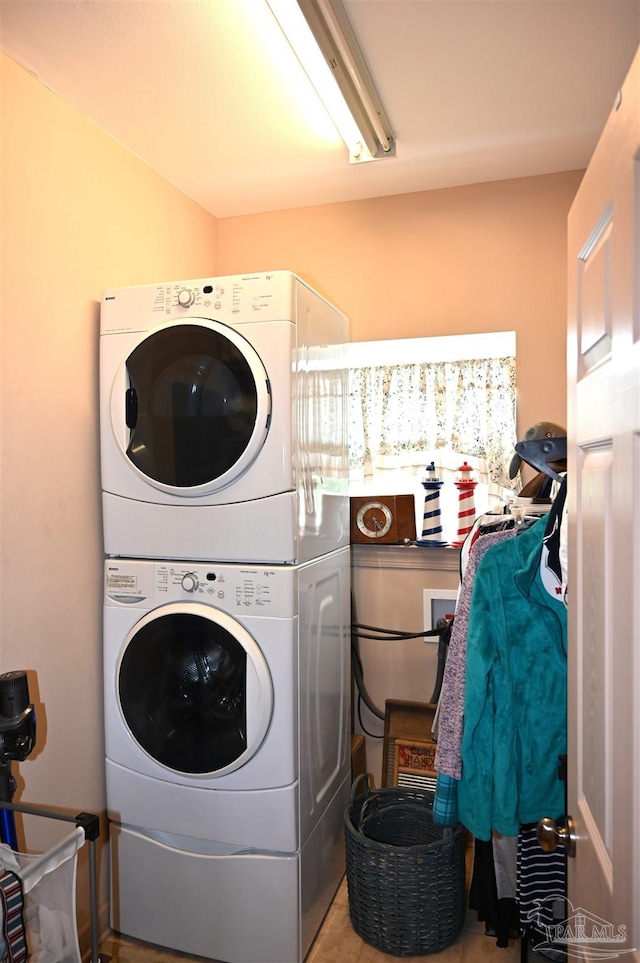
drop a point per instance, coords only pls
(443, 400)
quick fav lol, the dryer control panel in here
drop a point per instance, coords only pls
(251, 589)
(236, 299)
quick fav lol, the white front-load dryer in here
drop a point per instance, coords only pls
(223, 427)
(226, 692)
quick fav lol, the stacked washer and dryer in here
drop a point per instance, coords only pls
(226, 612)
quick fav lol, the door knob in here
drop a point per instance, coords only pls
(561, 833)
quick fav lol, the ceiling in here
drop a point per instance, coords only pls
(209, 94)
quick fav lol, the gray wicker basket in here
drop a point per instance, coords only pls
(405, 875)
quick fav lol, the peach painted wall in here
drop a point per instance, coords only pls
(489, 257)
(80, 213)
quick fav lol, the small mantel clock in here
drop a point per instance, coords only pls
(382, 519)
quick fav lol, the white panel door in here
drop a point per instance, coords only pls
(603, 354)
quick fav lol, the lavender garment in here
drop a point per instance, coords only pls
(451, 707)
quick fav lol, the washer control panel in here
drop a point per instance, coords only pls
(255, 590)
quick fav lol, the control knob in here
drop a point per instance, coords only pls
(185, 298)
(190, 582)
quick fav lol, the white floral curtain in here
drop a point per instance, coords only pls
(408, 415)
(321, 411)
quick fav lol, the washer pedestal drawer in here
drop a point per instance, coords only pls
(241, 908)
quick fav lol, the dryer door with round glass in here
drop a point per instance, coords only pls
(191, 407)
(194, 690)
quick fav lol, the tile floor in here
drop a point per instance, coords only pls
(337, 943)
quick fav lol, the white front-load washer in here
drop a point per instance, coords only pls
(227, 696)
(223, 426)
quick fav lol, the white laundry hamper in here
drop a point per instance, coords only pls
(49, 891)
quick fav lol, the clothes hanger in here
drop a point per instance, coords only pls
(541, 451)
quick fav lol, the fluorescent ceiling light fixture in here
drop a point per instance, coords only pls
(321, 36)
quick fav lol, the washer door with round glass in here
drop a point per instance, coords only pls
(191, 407)
(194, 690)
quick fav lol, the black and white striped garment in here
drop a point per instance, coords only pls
(541, 888)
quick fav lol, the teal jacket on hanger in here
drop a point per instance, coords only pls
(515, 713)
